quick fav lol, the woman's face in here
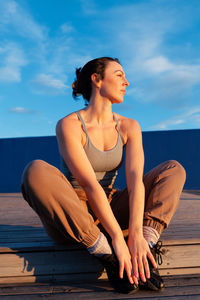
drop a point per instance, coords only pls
(114, 84)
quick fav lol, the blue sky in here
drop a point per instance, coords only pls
(43, 41)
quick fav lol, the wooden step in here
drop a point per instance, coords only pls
(28, 255)
(176, 288)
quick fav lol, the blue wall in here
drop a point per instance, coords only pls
(181, 145)
(17, 152)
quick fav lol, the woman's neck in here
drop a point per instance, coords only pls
(99, 111)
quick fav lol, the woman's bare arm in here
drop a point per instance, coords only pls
(138, 246)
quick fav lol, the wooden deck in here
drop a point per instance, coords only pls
(31, 264)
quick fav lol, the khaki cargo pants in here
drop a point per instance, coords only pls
(65, 212)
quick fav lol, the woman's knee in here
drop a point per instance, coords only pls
(34, 170)
(178, 170)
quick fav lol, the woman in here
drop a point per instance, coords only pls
(82, 204)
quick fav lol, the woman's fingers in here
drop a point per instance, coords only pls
(127, 266)
(146, 267)
(150, 256)
(141, 269)
(135, 272)
(135, 279)
(121, 269)
(124, 259)
(128, 269)
(135, 268)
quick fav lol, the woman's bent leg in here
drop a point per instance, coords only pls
(53, 198)
(163, 187)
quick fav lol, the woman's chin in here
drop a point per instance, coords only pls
(117, 101)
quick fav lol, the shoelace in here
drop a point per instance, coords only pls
(159, 252)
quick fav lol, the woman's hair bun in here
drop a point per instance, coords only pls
(78, 71)
(74, 84)
(75, 88)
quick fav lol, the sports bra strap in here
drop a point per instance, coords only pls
(118, 127)
(82, 122)
(117, 123)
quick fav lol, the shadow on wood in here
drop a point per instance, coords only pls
(27, 252)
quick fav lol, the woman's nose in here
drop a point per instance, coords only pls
(126, 82)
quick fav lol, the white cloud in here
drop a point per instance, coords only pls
(67, 28)
(192, 116)
(167, 124)
(158, 64)
(13, 17)
(47, 83)
(159, 80)
(88, 7)
(17, 22)
(172, 89)
(21, 110)
(12, 59)
(188, 75)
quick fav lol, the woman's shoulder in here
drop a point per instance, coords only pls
(128, 126)
(126, 122)
(69, 122)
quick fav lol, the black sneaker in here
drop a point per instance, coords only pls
(155, 282)
(121, 285)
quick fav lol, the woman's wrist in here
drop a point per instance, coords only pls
(135, 231)
(117, 235)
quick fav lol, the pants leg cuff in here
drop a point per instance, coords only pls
(159, 227)
(90, 239)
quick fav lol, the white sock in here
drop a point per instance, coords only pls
(151, 235)
(101, 246)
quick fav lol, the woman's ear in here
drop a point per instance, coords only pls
(96, 79)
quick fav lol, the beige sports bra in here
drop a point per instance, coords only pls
(104, 163)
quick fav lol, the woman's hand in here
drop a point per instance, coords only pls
(139, 250)
(122, 252)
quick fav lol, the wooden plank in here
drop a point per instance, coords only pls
(52, 278)
(187, 279)
(39, 246)
(81, 277)
(180, 271)
(42, 263)
(40, 241)
(185, 225)
(181, 256)
(177, 260)
(28, 247)
(178, 288)
(168, 242)
(103, 295)
(18, 228)
(16, 211)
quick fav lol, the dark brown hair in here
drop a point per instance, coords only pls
(82, 85)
